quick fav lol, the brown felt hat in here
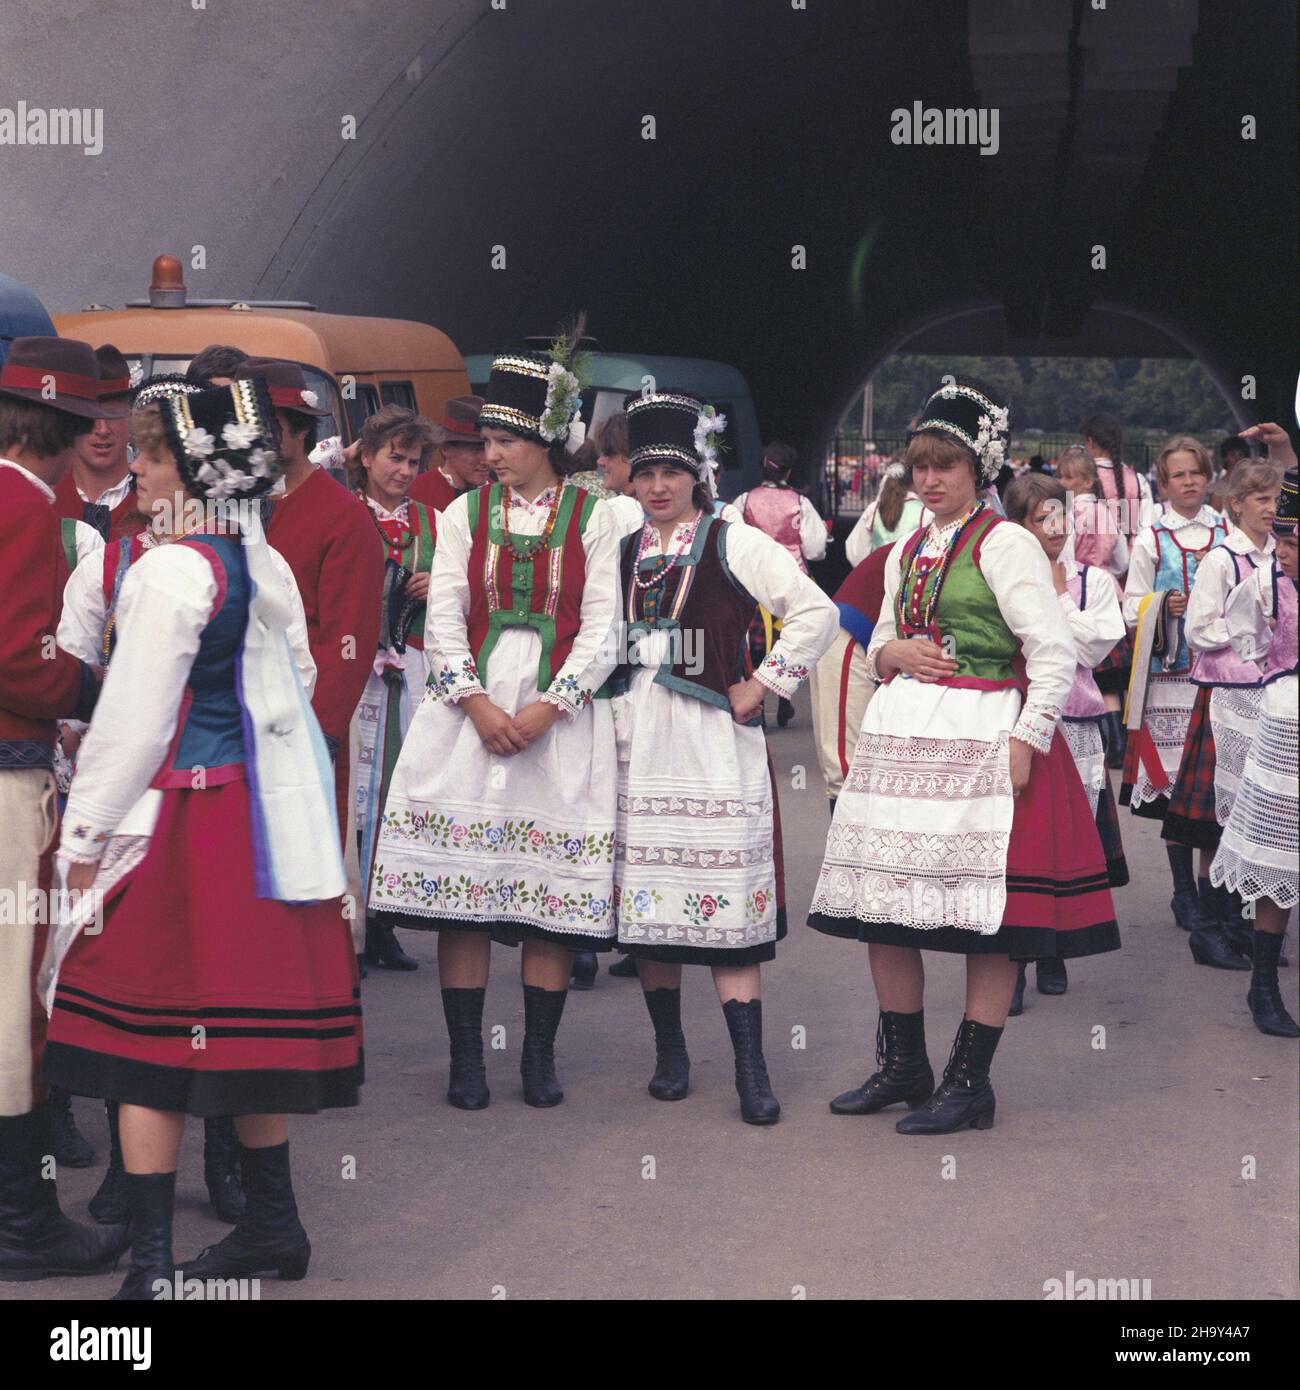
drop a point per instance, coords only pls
(61, 374)
(286, 383)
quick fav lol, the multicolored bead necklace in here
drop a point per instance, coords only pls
(526, 548)
(931, 601)
(658, 573)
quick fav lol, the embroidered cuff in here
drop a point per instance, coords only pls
(446, 684)
(781, 676)
(1035, 727)
(82, 839)
(88, 694)
(568, 693)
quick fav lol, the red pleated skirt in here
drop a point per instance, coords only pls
(199, 996)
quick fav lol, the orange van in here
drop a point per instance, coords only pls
(354, 364)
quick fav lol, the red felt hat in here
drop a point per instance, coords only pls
(61, 374)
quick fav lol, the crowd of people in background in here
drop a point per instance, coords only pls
(488, 678)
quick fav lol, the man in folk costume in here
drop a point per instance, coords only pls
(1161, 710)
(460, 447)
(328, 538)
(696, 858)
(841, 686)
(393, 442)
(49, 397)
(203, 815)
(1229, 692)
(962, 825)
(779, 510)
(97, 488)
(87, 629)
(1259, 855)
(1090, 602)
(500, 815)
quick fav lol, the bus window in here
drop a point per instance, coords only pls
(361, 408)
(398, 393)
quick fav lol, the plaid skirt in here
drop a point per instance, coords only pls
(1191, 818)
(1112, 671)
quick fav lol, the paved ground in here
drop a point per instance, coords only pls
(1115, 1163)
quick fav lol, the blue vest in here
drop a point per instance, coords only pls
(211, 734)
(1176, 569)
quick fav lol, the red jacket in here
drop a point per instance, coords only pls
(433, 490)
(328, 539)
(123, 520)
(39, 682)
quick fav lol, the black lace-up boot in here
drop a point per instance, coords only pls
(964, 1099)
(463, 1010)
(672, 1078)
(903, 1071)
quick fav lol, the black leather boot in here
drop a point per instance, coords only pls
(108, 1205)
(270, 1238)
(1208, 944)
(1114, 736)
(625, 969)
(467, 1087)
(1052, 978)
(36, 1239)
(672, 1078)
(1018, 994)
(150, 1199)
(964, 1099)
(758, 1106)
(583, 975)
(1237, 931)
(1183, 903)
(1264, 997)
(221, 1168)
(71, 1148)
(382, 947)
(543, 1009)
(903, 1070)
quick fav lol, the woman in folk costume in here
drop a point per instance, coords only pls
(1258, 853)
(500, 814)
(394, 442)
(1128, 508)
(1161, 697)
(223, 980)
(962, 825)
(1229, 691)
(895, 513)
(778, 509)
(88, 628)
(695, 871)
(1090, 602)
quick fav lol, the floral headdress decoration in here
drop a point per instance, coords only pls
(973, 419)
(566, 377)
(225, 440)
(710, 428)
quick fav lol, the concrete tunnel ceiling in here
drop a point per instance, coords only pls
(522, 128)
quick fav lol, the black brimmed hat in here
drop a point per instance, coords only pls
(971, 417)
(225, 439)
